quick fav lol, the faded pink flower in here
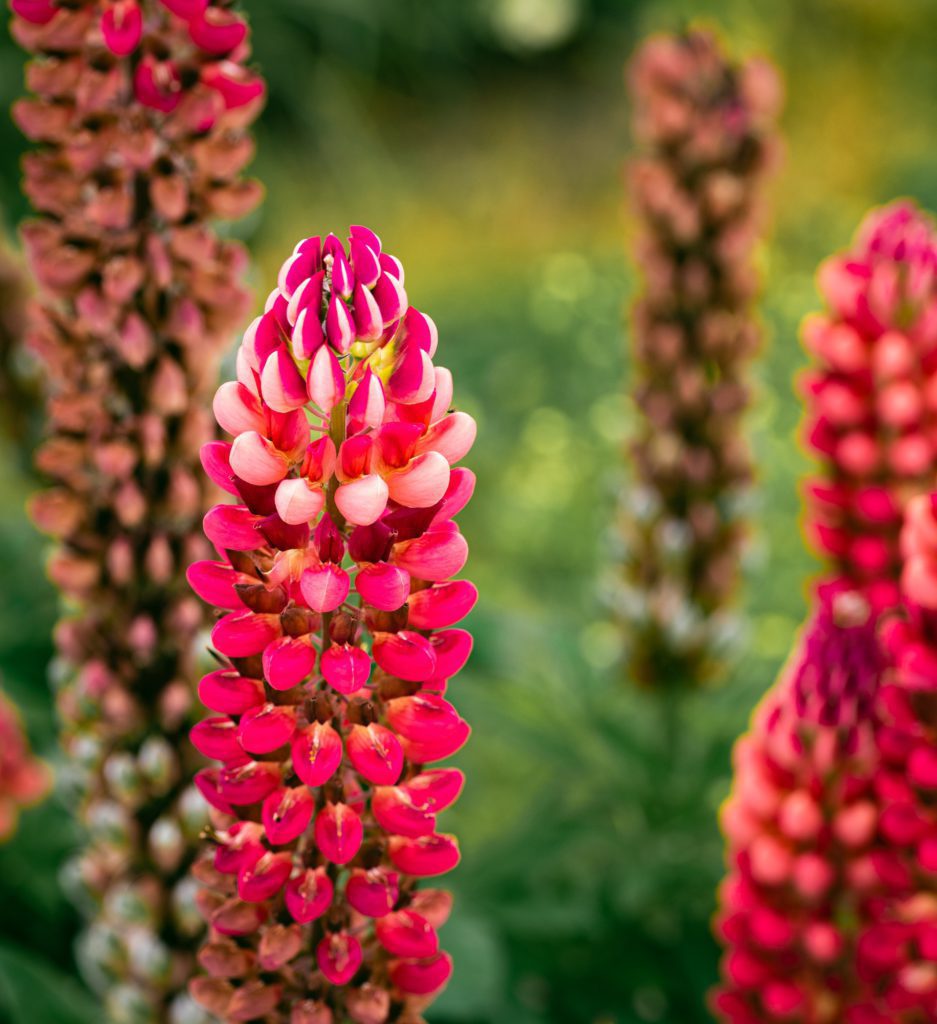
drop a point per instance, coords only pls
(330, 708)
(24, 780)
(139, 110)
(705, 128)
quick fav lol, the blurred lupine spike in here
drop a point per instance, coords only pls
(871, 395)
(705, 129)
(333, 581)
(139, 110)
(800, 827)
(24, 780)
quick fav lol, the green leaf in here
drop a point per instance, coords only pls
(32, 991)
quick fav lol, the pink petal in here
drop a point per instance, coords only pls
(434, 904)
(407, 933)
(372, 893)
(453, 436)
(214, 583)
(345, 668)
(338, 833)
(237, 410)
(425, 856)
(458, 494)
(339, 956)
(208, 783)
(413, 379)
(288, 661)
(217, 738)
(422, 717)
(265, 878)
(421, 977)
(297, 502)
(406, 655)
(232, 528)
(122, 27)
(420, 329)
(366, 406)
(216, 461)
(240, 846)
(325, 381)
(281, 384)
(422, 483)
(365, 261)
(255, 459)
(363, 501)
(391, 265)
(369, 323)
(452, 647)
(249, 783)
(36, 12)
(185, 9)
(324, 588)
(383, 586)
(286, 814)
(435, 556)
(241, 634)
(267, 728)
(308, 335)
(442, 397)
(317, 753)
(237, 918)
(217, 31)
(309, 895)
(391, 297)
(339, 326)
(307, 296)
(396, 812)
(441, 605)
(362, 234)
(437, 748)
(343, 281)
(375, 753)
(436, 789)
(296, 272)
(230, 693)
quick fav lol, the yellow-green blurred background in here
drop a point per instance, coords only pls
(484, 140)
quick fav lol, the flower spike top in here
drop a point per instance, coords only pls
(24, 780)
(330, 707)
(706, 131)
(872, 395)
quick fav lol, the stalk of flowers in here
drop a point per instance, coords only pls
(800, 825)
(330, 711)
(24, 780)
(871, 395)
(139, 110)
(898, 950)
(706, 128)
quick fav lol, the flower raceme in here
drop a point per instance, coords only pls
(872, 395)
(24, 780)
(330, 711)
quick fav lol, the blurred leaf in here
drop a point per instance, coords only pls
(31, 992)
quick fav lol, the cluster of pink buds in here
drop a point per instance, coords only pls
(800, 825)
(336, 579)
(706, 127)
(872, 395)
(898, 951)
(23, 779)
(139, 110)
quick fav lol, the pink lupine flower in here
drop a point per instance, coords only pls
(334, 584)
(871, 395)
(139, 111)
(24, 780)
(705, 128)
(800, 826)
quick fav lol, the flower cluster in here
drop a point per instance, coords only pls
(336, 646)
(872, 395)
(707, 131)
(23, 779)
(140, 110)
(801, 824)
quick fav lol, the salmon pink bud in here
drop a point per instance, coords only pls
(288, 661)
(345, 668)
(297, 501)
(122, 27)
(237, 918)
(362, 501)
(375, 753)
(265, 877)
(265, 729)
(434, 904)
(237, 410)
(421, 483)
(317, 753)
(373, 893)
(383, 586)
(339, 957)
(338, 833)
(309, 895)
(422, 977)
(279, 945)
(256, 460)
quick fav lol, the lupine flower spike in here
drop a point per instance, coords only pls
(24, 780)
(330, 711)
(139, 110)
(800, 827)
(706, 131)
(872, 395)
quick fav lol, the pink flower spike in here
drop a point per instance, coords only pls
(406, 655)
(453, 437)
(373, 893)
(122, 27)
(325, 381)
(308, 334)
(421, 977)
(286, 814)
(339, 956)
(338, 833)
(297, 502)
(408, 934)
(255, 459)
(230, 693)
(265, 877)
(369, 324)
(345, 668)
(281, 384)
(309, 895)
(383, 586)
(375, 753)
(288, 661)
(391, 297)
(422, 483)
(339, 326)
(362, 501)
(217, 738)
(441, 605)
(435, 556)
(267, 728)
(424, 857)
(324, 588)
(217, 31)
(216, 461)
(241, 634)
(317, 753)
(214, 583)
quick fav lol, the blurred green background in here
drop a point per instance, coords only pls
(484, 140)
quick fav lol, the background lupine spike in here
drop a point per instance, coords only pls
(871, 395)
(139, 111)
(330, 712)
(24, 779)
(706, 132)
